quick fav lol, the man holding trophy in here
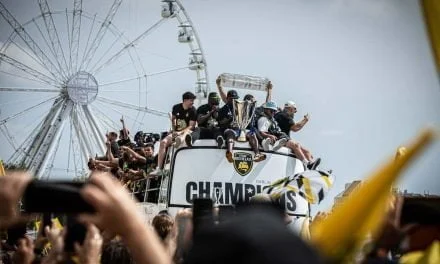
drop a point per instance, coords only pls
(233, 118)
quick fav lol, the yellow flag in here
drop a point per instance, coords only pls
(431, 10)
(338, 235)
(55, 221)
(429, 256)
(2, 169)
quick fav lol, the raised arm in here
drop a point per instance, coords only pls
(220, 90)
(269, 87)
(298, 126)
(110, 156)
(135, 154)
(116, 212)
(124, 130)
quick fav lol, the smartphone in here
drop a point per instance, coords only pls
(55, 197)
(16, 233)
(76, 232)
(47, 221)
(202, 214)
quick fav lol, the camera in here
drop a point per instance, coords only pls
(142, 138)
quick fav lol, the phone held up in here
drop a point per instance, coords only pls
(55, 197)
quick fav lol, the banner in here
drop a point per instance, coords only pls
(205, 172)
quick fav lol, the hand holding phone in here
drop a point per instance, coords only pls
(202, 214)
(76, 233)
(55, 197)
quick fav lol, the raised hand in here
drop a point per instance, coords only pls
(56, 239)
(269, 86)
(117, 213)
(25, 251)
(90, 251)
(112, 203)
(218, 81)
(307, 117)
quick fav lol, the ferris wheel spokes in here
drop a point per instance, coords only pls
(132, 107)
(81, 136)
(23, 89)
(133, 43)
(65, 62)
(107, 121)
(30, 43)
(30, 71)
(54, 38)
(49, 137)
(76, 35)
(100, 35)
(95, 128)
(5, 120)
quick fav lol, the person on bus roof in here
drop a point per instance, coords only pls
(207, 119)
(270, 133)
(225, 118)
(184, 118)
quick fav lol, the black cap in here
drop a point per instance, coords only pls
(188, 95)
(248, 97)
(213, 95)
(233, 94)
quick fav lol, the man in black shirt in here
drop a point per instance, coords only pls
(124, 139)
(184, 117)
(225, 118)
(207, 119)
(285, 119)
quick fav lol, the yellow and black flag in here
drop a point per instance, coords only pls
(362, 213)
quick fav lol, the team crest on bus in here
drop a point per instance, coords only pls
(243, 163)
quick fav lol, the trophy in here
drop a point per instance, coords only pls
(243, 111)
(241, 81)
(217, 195)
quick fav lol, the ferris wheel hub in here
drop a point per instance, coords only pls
(82, 88)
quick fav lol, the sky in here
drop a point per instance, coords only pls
(362, 69)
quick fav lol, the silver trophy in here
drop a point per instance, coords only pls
(242, 116)
(217, 195)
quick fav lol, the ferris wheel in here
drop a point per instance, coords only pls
(69, 73)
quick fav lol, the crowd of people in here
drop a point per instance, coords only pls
(117, 233)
